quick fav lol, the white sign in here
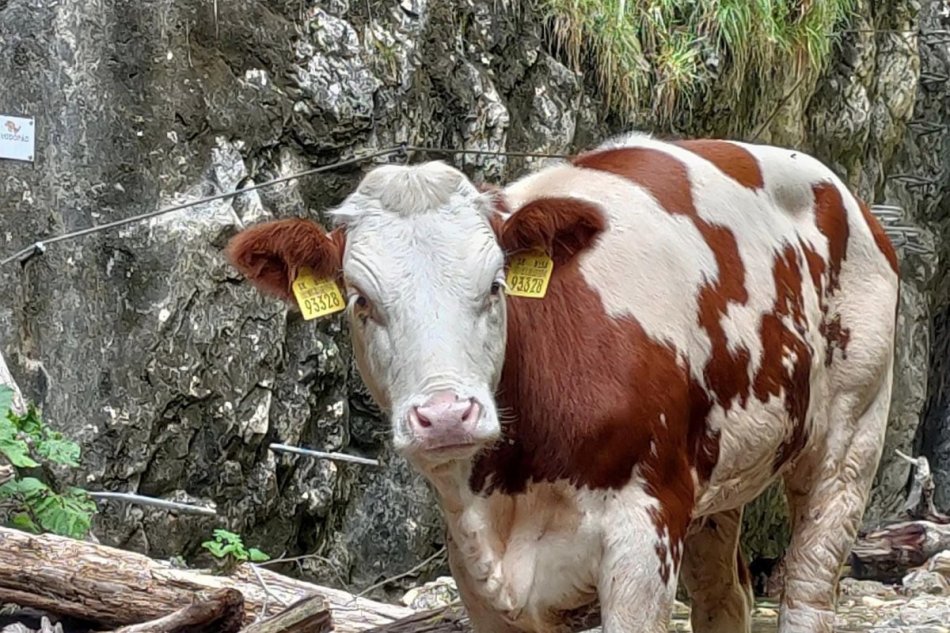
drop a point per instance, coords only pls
(17, 138)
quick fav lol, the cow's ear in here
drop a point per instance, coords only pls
(562, 227)
(270, 254)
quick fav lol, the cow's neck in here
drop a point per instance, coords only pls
(555, 398)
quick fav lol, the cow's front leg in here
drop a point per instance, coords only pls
(643, 546)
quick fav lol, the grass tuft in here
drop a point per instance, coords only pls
(664, 55)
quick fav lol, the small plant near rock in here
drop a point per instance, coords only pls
(229, 549)
(27, 502)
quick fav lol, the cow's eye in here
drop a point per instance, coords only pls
(496, 287)
(361, 306)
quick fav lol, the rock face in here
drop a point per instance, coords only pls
(175, 376)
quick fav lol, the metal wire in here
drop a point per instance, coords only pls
(129, 497)
(338, 457)
(39, 246)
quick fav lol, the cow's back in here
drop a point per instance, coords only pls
(770, 282)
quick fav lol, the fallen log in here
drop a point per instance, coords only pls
(310, 615)
(118, 588)
(221, 612)
(888, 553)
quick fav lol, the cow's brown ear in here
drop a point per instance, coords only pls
(270, 254)
(563, 227)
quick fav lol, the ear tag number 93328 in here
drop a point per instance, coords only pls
(529, 274)
(316, 297)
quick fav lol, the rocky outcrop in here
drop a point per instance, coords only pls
(175, 376)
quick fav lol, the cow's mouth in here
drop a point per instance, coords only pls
(445, 452)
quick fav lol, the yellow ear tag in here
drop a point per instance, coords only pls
(529, 274)
(316, 297)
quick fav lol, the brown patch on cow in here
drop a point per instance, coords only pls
(816, 268)
(831, 218)
(780, 343)
(880, 237)
(589, 398)
(837, 337)
(731, 159)
(667, 180)
(563, 227)
(270, 254)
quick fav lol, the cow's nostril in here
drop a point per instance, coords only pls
(470, 412)
(420, 419)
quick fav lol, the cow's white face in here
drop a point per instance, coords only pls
(424, 279)
(423, 271)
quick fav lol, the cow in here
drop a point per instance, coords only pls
(720, 315)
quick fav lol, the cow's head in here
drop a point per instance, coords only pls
(420, 253)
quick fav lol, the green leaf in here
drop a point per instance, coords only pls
(227, 537)
(66, 515)
(6, 399)
(15, 449)
(257, 555)
(30, 488)
(29, 422)
(22, 521)
(214, 547)
(17, 452)
(59, 451)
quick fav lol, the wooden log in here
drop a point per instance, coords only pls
(117, 588)
(310, 615)
(220, 612)
(888, 553)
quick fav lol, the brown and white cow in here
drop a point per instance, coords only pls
(720, 315)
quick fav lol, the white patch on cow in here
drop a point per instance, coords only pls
(641, 240)
(529, 554)
(633, 595)
(553, 546)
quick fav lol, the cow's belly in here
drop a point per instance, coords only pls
(535, 555)
(751, 441)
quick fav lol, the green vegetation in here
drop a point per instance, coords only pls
(27, 502)
(229, 549)
(665, 55)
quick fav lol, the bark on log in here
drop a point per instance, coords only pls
(310, 615)
(117, 588)
(221, 612)
(888, 553)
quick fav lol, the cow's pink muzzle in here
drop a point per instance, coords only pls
(445, 422)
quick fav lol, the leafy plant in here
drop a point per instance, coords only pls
(26, 501)
(660, 57)
(228, 548)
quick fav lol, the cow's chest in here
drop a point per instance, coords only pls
(533, 555)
